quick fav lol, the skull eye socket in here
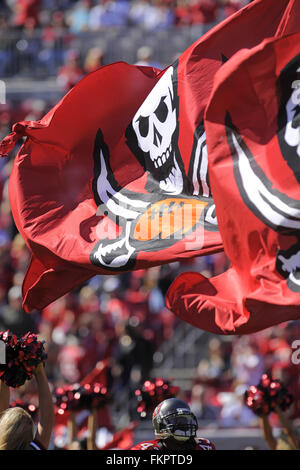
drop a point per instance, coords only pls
(161, 111)
(143, 126)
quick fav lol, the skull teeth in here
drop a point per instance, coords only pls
(164, 157)
(173, 184)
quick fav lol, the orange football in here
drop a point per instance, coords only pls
(169, 218)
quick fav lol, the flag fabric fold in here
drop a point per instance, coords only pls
(252, 123)
(115, 177)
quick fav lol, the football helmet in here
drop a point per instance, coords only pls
(173, 418)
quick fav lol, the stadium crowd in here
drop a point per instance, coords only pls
(36, 36)
(120, 319)
(83, 15)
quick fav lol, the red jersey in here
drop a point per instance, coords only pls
(156, 444)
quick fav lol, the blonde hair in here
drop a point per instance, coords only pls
(283, 444)
(16, 429)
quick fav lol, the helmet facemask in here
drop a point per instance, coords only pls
(179, 426)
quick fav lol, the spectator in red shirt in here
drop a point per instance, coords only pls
(71, 72)
(205, 12)
(183, 13)
(232, 6)
(27, 10)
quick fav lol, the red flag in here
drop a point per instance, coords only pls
(253, 138)
(123, 439)
(50, 185)
(290, 20)
(78, 159)
(115, 177)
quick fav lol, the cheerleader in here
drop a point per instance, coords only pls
(17, 430)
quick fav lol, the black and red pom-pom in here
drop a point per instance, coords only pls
(23, 355)
(269, 393)
(80, 397)
(152, 393)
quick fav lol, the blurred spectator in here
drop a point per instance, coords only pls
(108, 13)
(204, 12)
(112, 301)
(247, 363)
(70, 73)
(199, 12)
(27, 10)
(6, 44)
(133, 349)
(183, 14)
(69, 359)
(79, 16)
(234, 412)
(138, 12)
(12, 316)
(213, 370)
(152, 15)
(55, 38)
(96, 15)
(37, 110)
(93, 60)
(144, 56)
(232, 6)
(199, 405)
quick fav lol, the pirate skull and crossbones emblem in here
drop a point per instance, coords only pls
(153, 133)
(152, 137)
